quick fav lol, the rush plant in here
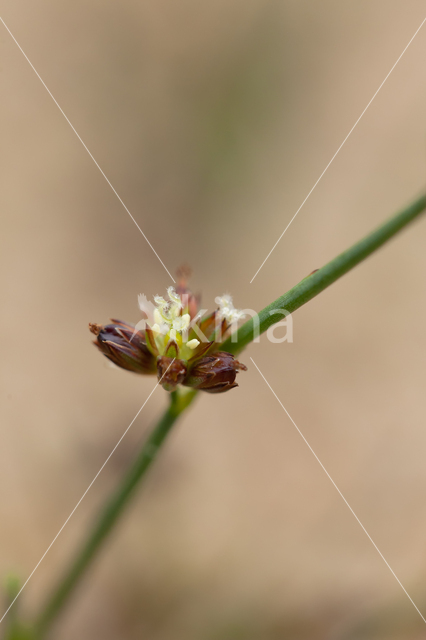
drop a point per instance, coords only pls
(189, 353)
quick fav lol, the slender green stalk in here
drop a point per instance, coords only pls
(319, 280)
(111, 512)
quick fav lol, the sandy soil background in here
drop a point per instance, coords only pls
(213, 120)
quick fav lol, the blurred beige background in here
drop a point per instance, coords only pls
(213, 121)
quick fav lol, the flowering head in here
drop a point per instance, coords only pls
(169, 331)
(176, 341)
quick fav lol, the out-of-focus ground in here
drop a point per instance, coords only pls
(213, 121)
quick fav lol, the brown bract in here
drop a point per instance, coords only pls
(171, 372)
(215, 373)
(124, 347)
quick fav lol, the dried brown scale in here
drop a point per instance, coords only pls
(95, 328)
(190, 300)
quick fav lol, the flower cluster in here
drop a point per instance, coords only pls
(176, 341)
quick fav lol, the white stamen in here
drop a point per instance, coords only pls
(227, 309)
(159, 301)
(181, 323)
(174, 297)
(193, 344)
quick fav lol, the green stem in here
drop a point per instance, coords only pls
(311, 286)
(111, 512)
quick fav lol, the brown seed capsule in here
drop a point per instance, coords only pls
(124, 347)
(170, 372)
(215, 373)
